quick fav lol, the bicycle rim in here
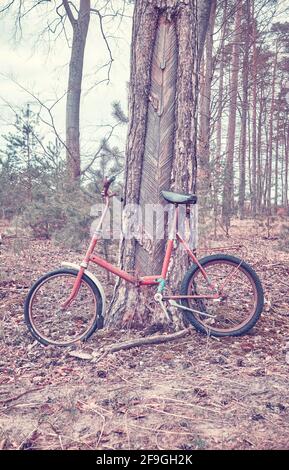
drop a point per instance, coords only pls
(238, 304)
(54, 324)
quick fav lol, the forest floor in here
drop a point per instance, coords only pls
(193, 393)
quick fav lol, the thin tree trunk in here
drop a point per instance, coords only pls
(277, 179)
(204, 173)
(254, 116)
(28, 148)
(282, 169)
(249, 127)
(259, 162)
(265, 173)
(217, 169)
(286, 170)
(79, 35)
(270, 141)
(243, 132)
(203, 9)
(228, 190)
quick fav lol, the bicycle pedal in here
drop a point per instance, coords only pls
(159, 299)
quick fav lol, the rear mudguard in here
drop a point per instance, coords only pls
(93, 278)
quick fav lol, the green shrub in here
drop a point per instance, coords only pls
(62, 216)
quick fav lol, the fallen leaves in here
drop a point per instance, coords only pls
(193, 393)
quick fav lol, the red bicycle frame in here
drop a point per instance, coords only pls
(152, 280)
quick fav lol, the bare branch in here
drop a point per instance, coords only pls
(93, 10)
(34, 6)
(97, 154)
(7, 6)
(48, 109)
(157, 339)
(69, 13)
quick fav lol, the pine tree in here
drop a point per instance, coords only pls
(20, 161)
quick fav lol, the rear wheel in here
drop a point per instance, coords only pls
(48, 322)
(239, 306)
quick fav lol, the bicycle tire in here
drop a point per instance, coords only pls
(97, 323)
(191, 317)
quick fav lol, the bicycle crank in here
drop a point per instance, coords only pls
(159, 298)
(173, 303)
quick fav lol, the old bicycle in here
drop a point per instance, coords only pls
(220, 295)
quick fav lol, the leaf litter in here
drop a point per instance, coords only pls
(193, 393)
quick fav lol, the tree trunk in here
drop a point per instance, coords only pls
(270, 142)
(217, 168)
(283, 165)
(254, 117)
(259, 160)
(277, 157)
(265, 174)
(79, 35)
(249, 127)
(161, 144)
(228, 190)
(286, 170)
(244, 114)
(204, 171)
(203, 9)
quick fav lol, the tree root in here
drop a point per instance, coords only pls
(143, 341)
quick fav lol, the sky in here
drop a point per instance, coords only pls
(31, 62)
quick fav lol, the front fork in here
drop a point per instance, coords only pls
(75, 289)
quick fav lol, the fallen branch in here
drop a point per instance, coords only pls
(143, 341)
(8, 400)
(283, 283)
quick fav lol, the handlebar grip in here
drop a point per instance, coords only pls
(106, 184)
(111, 179)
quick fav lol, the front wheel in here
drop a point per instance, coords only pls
(239, 304)
(49, 322)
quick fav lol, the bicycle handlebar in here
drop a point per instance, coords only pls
(106, 184)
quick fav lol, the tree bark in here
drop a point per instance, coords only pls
(254, 116)
(204, 11)
(283, 164)
(217, 168)
(204, 173)
(244, 113)
(286, 169)
(161, 144)
(259, 158)
(270, 142)
(228, 190)
(79, 35)
(277, 177)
